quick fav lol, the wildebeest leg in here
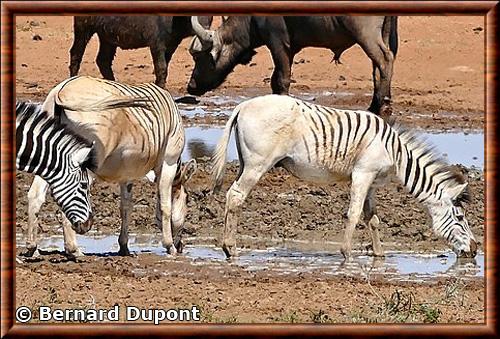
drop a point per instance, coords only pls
(125, 208)
(382, 61)
(165, 181)
(160, 65)
(82, 35)
(372, 221)
(171, 47)
(70, 244)
(36, 198)
(105, 59)
(282, 58)
(361, 182)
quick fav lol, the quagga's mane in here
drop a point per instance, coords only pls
(27, 110)
(437, 165)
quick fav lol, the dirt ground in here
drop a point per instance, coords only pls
(431, 89)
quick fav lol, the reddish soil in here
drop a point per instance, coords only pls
(439, 74)
(447, 90)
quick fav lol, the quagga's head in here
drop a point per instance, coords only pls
(450, 221)
(179, 202)
(71, 189)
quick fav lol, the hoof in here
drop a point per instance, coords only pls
(74, 253)
(170, 249)
(229, 250)
(30, 252)
(180, 247)
(124, 252)
(346, 253)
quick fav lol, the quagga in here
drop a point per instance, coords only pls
(325, 145)
(58, 156)
(129, 142)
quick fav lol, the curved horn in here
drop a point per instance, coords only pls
(205, 35)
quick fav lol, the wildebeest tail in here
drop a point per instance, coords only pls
(219, 156)
(390, 33)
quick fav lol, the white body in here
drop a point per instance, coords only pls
(326, 145)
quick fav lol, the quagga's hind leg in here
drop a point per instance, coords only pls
(36, 198)
(361, 183)
(372, 221)
(165, 180)
(235, 198)
(70, 244)
(125, 208)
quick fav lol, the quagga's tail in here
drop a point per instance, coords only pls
(111, 102)
(219, 156)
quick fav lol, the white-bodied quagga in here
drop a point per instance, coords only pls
(129, 142)
(324, 145)
(60, 157)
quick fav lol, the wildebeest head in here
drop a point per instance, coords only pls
(217, 52)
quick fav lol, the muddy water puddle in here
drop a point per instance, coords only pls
(459, 147)
(462, 148)
(224, 104)
(290, 260)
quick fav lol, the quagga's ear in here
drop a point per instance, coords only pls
(84, 157)
(81, 156)
(188, 169)
(460, 194)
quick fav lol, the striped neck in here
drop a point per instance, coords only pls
(43, 146)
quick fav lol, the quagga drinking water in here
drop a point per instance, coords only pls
(129, 142)
(60, 157)
(325, 145)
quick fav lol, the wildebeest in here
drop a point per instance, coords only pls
(327, 145)
(128, 143)
(162, 34)
(216, 53)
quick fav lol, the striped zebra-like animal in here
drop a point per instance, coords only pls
(60, 157)
(325, 145)
(129, 142)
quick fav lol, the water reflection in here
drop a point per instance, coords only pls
(284, 261)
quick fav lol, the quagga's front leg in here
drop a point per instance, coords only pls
(70, 244)
(36, 198)
(165, 180)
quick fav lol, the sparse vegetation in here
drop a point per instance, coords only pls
(291, 317)
(320, 317)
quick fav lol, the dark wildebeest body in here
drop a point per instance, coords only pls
(216, 53)
(162, 34)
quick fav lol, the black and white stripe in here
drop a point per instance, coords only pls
(47, 149)
(334, 138)
(156, 122)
